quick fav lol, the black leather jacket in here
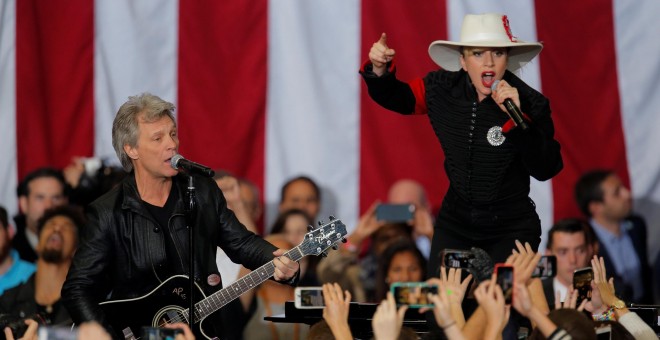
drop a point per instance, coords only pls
(122, 251)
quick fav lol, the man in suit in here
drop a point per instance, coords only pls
(607, 203)
(571, 242)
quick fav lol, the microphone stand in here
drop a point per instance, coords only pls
(191, 215)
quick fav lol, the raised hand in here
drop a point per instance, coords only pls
(491, 299)
(423, 223)
(442, 306)
(605, 287)
(367, 225)
(524, 260)
(335, 312)
(455, 287)
(595, 305)
(380, 54)
(387, 320)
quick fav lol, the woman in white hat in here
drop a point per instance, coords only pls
(488, 157)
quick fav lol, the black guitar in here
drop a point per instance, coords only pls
(168, 302)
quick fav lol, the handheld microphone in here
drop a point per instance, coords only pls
(512, 109)
(179, 163)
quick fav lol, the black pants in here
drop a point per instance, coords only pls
(493, 228)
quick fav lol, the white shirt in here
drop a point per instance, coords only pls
(559, 287)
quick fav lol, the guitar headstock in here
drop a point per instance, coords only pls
(327, 235)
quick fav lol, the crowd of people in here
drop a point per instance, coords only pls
(377, 254)
(88, 236)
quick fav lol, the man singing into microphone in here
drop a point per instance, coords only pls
(137, 238)
(488, 158)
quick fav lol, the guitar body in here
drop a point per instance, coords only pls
(167, 303)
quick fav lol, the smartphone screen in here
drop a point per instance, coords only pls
(395, 212)
(309, 297)
(582, 283)
(413, 294)
(505, 281)
(156, 333)
(457, 258)
(546, 267)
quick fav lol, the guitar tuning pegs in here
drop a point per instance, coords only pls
(324, 254)
(344, 240)
(310, 227)
(332, 218)
(335, 247)
(320, 223)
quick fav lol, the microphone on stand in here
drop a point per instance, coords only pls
(179, 163)
(514, 112)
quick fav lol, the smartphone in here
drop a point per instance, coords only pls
(504, 274)
(57, 333)
(413, 294)
(309, 297)
(395, 212)
(452, 258)
(546, 267)
(582, 283)
(157, 333)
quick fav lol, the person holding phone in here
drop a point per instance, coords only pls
(605, 305)
(400, 262)
(488, 158)
(570, 243)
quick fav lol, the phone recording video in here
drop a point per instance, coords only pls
(395, 212)
(582, 283)
(505, 281)
(309, 298)
(452, 258)
(413, 294)
(158, 333)
(546, 267)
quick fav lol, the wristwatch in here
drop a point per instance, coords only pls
(619, 304)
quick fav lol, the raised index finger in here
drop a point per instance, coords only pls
(383, 39)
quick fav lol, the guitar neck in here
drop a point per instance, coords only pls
(225, 295)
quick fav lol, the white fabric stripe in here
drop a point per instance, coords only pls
(136, 49)
(637, 48)
(9, 164)
(521, 16)
(312, 120)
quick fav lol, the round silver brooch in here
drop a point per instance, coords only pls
(495, 136)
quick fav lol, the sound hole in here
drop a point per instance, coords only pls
(169, 314)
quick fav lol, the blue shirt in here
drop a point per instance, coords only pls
(623, 255)
(19, 272)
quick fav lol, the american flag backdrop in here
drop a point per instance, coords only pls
(269, 89)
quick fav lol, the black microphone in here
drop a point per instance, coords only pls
(190, 167)
(512, 110)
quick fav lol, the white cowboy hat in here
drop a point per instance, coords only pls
(484, 30)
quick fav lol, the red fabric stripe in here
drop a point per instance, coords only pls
(585, 100)
(395, 146)
(54, 82)
(418, 89)
(222, 85)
